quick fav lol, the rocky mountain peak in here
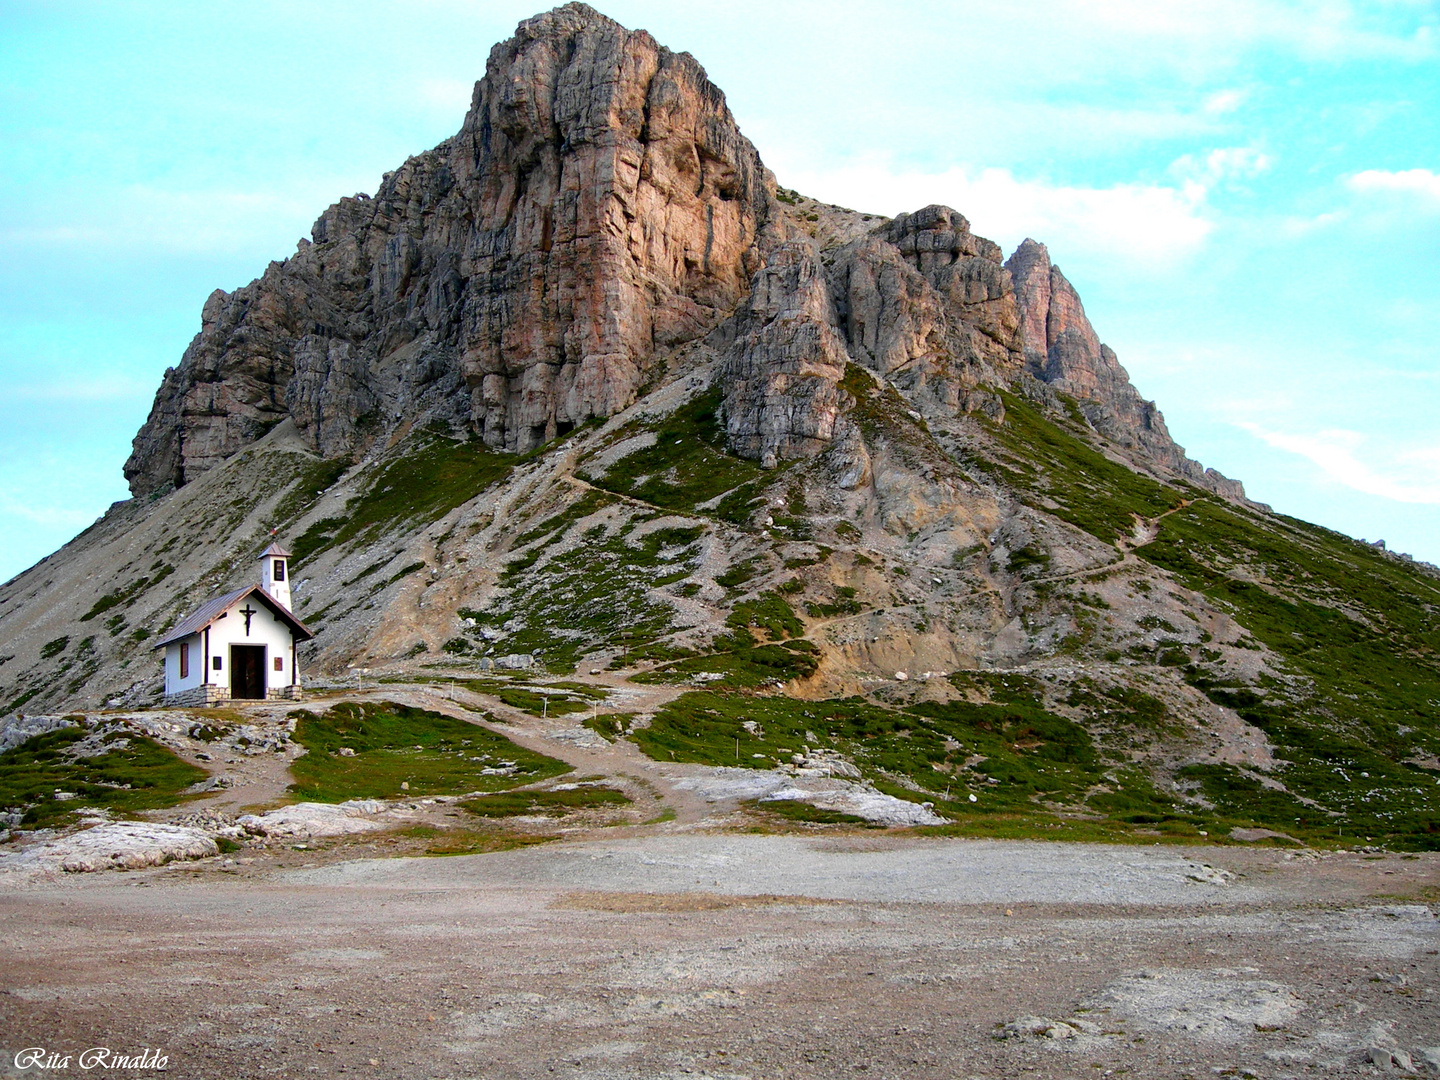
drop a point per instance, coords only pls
(599, 212)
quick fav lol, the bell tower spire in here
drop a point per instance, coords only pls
(275, 574)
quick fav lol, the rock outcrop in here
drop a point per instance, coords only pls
(1062, 350)
(929, 305)
(786, 361)
(120, 845)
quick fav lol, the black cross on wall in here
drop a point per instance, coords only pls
(248, 611)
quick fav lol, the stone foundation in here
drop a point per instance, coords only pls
(210, 694)
(199, 696)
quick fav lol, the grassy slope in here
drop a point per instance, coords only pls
(433, 475)
(1027, 767)
(575, 589)
(687, 467)
(132, 773)
(1356, 633)
(434, 754)
(1353, 633)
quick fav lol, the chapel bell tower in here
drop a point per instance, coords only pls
(275, 574)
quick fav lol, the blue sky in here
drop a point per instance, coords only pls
(1245, 192)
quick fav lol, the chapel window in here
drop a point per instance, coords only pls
(184, 659)
(279, 569)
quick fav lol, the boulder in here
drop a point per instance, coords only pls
(307, 819)
(121, 845)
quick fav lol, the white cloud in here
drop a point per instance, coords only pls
(1413, 476)
(1420, 182)
(450, 96)
(1225, 101)
(1225, 166)
(1315, 29)
(1140, 223)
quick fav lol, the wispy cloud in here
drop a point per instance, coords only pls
(1412, 476)
(196, 221)
(1314, 29)
(49, 517)
(1221, 165)
(1146, 223)
(1413, 182)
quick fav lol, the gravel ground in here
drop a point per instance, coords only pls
(733, 955)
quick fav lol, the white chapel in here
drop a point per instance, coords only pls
(243, 645)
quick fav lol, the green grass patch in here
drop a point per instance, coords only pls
(1357, 634)
(115, 768)
(768, 612)
(688, 465)
(548, 803)
(598, 595)
(741, 663)
(610, 726)
(796, 810)
(434, 754)
(1008, 753)
(883, 414)
(1040, 826)
(128, 594)
(1060, 472)
(539, 704)
(473, 841)
(737, 575)
(428, 477)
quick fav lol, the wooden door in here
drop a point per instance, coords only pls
(247, 672)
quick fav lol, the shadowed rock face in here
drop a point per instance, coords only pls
(929, 305)
(598, 211)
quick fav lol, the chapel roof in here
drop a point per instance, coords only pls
(276, 551)
(211, 610)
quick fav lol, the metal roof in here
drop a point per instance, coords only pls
(276, 550)
(211, 610)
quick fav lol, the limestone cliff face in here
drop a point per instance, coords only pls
(1062, 350)
(599, 211)
(599, 204)
(929, 305)
(618, 206)
(784, 365)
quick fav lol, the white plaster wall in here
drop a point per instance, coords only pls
(173, 683)
(265, 629)
(279, 591)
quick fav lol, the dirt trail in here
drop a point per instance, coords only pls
(566, 738)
